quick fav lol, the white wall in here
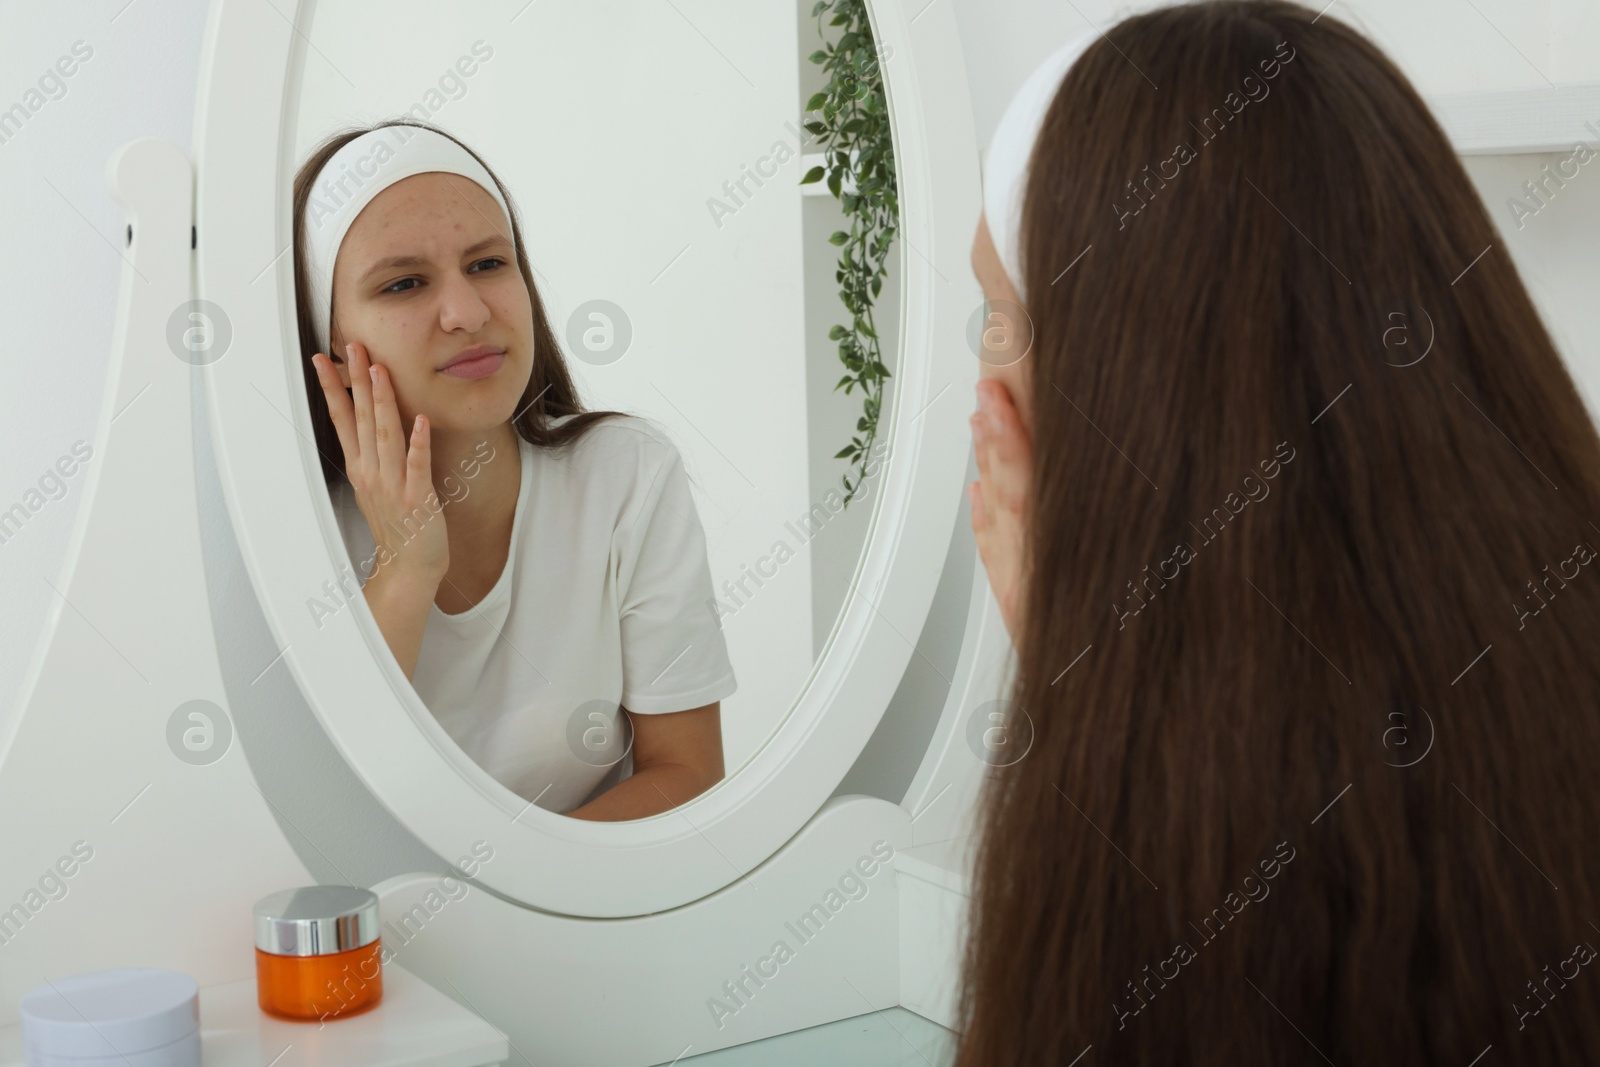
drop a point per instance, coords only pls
(1444, 46)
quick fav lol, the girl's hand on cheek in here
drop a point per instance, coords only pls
(393, 483)
(1000, 498)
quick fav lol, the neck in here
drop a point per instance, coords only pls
(476, 474)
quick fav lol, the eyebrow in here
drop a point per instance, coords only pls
(421, 261)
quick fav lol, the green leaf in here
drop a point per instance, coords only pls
(855, 121)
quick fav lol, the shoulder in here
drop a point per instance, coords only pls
(630, 429)
(626, 444)
(624, 471)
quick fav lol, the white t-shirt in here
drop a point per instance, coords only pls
(605, 600)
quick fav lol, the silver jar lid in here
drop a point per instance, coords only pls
(316, 920)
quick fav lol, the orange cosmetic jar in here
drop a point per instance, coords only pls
(318, 954)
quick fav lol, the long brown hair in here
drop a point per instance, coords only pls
(1314, 500)
(550, 393)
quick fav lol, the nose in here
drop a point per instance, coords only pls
(461, 306)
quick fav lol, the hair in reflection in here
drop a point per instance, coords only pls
(1218, 850)
(550, 392)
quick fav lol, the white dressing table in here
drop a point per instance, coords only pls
(579, 943)
(414, 1025)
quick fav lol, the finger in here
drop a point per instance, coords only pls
(1010, 467)
(1010, 452)
(983, 536)
(361, 394)
(980, 443)
(339, 409)
(419, 460)
(1001, 411)
(985, 493)
(391, 443)
(980, 518)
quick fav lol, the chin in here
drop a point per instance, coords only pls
(515, 383)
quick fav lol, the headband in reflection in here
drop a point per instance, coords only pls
(355, 174)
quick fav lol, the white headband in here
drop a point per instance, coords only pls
(360, 170)
(1005, 171)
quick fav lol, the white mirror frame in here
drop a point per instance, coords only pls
(244, 131)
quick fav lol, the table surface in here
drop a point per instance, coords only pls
(894, 1037)
(413, 1025)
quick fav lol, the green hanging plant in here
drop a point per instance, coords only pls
(855, 136)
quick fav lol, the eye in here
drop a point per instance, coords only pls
(497, 260)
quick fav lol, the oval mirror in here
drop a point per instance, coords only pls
(718, 527)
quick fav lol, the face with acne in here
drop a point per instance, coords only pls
(427, 271)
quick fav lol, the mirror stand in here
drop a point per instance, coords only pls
(171, 851)
(785, 947)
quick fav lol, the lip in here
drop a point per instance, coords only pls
(480, 361)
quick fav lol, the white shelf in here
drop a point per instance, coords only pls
(1549, 119)
(414, 1025)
